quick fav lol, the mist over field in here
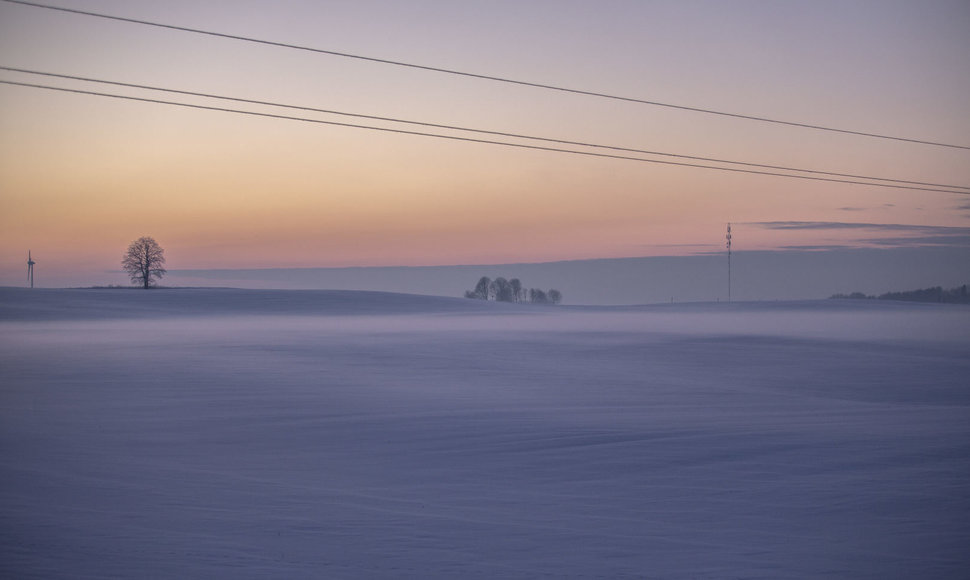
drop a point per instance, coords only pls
(768, 275)
(306, 434)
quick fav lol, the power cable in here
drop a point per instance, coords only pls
(472, 140)
(486, 77)
(481, 131)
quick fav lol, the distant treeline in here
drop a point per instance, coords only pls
(956, 295)
(502, 290)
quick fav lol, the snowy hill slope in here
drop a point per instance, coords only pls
(102, 303)
(106, 303)
(250, 434)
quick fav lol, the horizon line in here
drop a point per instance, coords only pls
(815, 249)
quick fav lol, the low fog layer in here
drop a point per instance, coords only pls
(782, 275)
(253, 434)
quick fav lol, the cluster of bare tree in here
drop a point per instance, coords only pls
(958, 295)
(502, 290)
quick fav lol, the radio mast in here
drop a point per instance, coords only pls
(728, 244)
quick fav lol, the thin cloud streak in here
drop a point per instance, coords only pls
(818, 248)
(906, 236)
(796, 225)
(956, 241)
(680, 245)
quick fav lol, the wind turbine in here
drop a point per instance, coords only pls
(30, 269)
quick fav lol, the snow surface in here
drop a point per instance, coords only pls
(220, 433)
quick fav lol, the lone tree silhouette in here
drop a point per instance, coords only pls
(143, 261)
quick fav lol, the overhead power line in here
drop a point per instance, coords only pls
(474, 140)
(486, 77)
(480, 131)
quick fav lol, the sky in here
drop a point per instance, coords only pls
(81, 176)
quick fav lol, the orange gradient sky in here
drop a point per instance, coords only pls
(81, 176)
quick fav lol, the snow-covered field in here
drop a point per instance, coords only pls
(270, 434)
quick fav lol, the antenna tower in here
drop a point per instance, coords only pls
(728, 244)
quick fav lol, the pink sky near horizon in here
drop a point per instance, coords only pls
(82, 176)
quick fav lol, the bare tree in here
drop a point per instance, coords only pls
(501, 290)
(555, 296)
(143, 261)
(516, 289)
(537, 296)
(481, 289)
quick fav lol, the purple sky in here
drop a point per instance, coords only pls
(81, 176)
